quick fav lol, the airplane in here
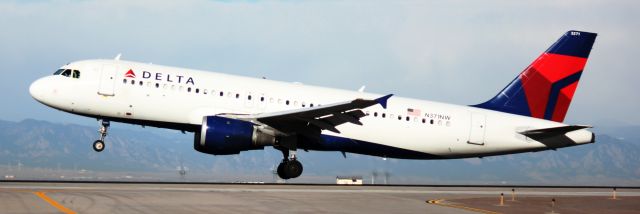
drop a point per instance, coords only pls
(229, 114)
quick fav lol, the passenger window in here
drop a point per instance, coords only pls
(249, 97)
(311, 105)
(221, 93)
(237, 96)
(76, 74)
(424, 120)
(189, 89)
(140, 83)
(384, 115)
(204, 91)
(399, 117)
(431, 122)
(407, 118)
(124, 81)
(157, 85)
(375, 114)
(133, 82)
(287, 102)
(261, 99)
(197, 90)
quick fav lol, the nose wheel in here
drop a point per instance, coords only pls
(98, 145)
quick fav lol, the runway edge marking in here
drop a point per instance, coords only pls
(54, 203)
(439, 203)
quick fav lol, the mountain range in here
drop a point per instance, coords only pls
(44, 150)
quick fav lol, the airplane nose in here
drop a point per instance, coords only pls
(37, 89)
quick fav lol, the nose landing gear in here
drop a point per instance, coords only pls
(98, 145)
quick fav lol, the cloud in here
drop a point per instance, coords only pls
(453, 51)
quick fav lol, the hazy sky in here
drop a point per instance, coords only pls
(460, 52)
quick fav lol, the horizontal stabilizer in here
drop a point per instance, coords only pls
(548, 132)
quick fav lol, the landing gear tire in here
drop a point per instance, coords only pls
(281, 171)
(98, 145)
(290, 169)
(293, 169)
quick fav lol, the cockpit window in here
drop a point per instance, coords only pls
(68, 73)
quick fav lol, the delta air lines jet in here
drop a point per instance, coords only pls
(229, 114)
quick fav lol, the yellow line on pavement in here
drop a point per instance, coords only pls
(54, 203)
(439, 203)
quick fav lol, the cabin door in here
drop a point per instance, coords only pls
(107, 80)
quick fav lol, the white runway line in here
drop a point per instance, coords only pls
(376, 191)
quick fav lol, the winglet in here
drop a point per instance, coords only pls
(362, 88)
(383, 100)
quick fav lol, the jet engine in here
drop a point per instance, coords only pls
(226, 136)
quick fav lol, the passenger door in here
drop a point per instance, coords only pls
(107, 80)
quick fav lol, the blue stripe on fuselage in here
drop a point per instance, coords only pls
(341, 144)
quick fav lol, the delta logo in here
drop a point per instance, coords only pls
(171, 78)
(130, 74)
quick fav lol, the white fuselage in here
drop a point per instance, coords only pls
(182, 96)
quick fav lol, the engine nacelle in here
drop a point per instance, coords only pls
(225, 136)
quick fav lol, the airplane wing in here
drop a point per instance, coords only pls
(310, 121)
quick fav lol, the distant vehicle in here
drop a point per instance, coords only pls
(9, 177)
(349, 180)
(230, 114)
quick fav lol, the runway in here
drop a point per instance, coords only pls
(33, 197)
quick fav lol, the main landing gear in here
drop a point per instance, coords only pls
(290, 167)
(98, 145)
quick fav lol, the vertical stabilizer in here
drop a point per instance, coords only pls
(545, 88)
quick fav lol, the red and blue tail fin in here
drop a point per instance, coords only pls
(545, 88)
